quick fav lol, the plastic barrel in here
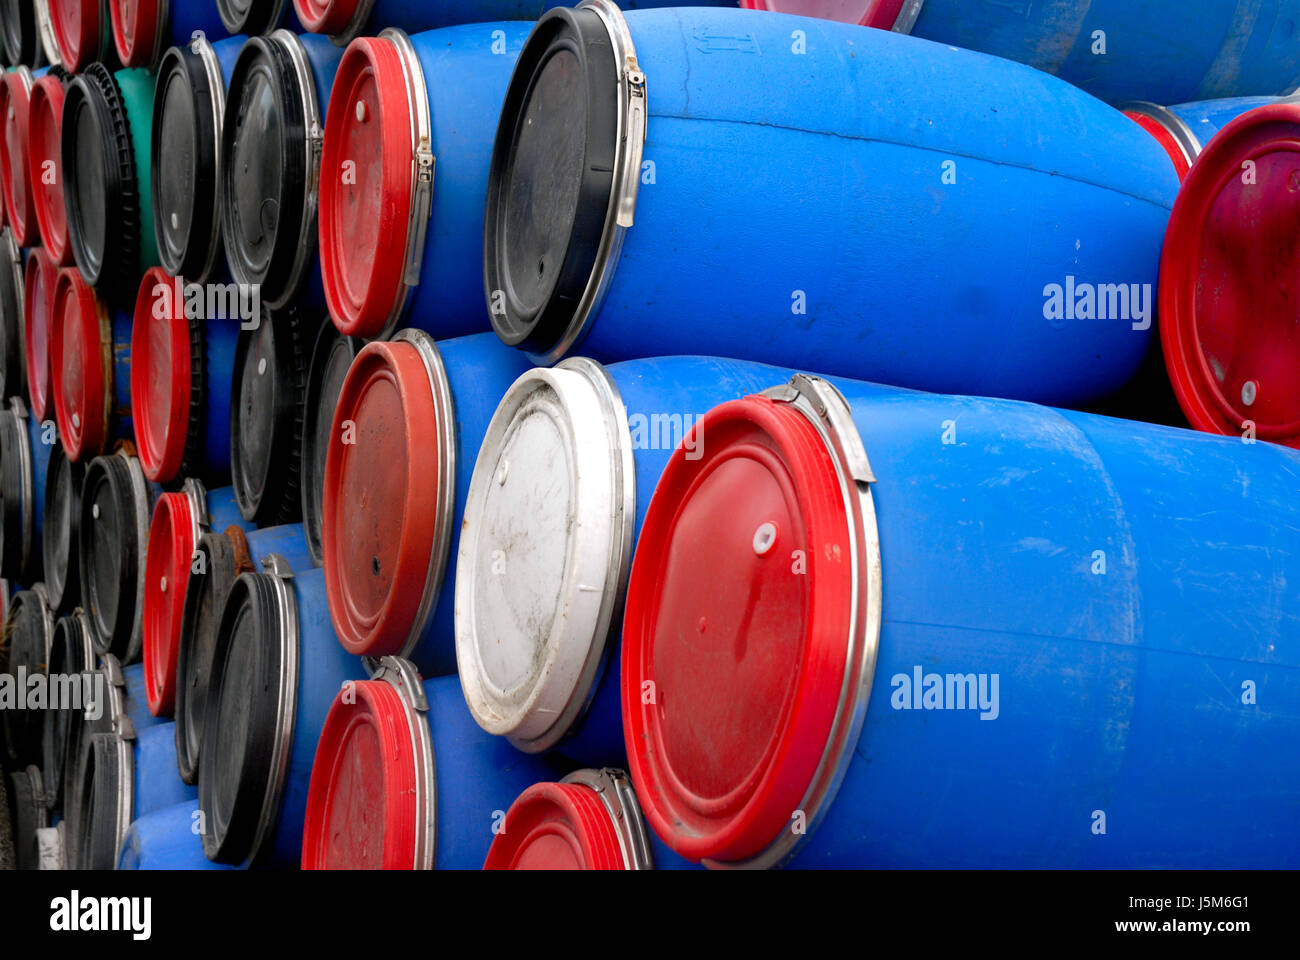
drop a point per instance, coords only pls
(179, 519)
(27, 807)
(117, 503)
(45, 164)
(22, 42)
(107, 150)
(15, 101)
(92, 401)
(183, 359)
(38, 315)
(559, 491)
(256, 762)
(815, 616)
(392, 233)
(590, 820)
(219, 558)
(84, 33)
(45, 33)
(167, 839)
(1185, 128)
(189, 107)
(13, 360)
(1228, 305)
(330, 360)
(71, 656)
(257, 16)
(270, 158)
(144, 29)
(756, 210)
(61, 533)
(446, 785)
(25, 447)
(266, 414)
(1115, 49)
(404, 440)
(29, 632)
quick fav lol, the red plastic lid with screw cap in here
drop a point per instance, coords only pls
(746, 648)
(361, 806)
(166, 574)
(326, 16)
(557, 826)
(44, 147)
(15, 98)
(135, 30)
(868, 13)
(380, 509)
(78, 31)
(160, 376)
(81, 336)
(1229, 297)
(364, 223)
(39, 283)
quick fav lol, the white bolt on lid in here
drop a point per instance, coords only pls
(544, 552)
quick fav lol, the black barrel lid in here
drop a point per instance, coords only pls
(252, 17)
(61, 534)
(27, 806)
(13, 358)
(18, 558)
(71, 655)
(29, 630)
(189, 101)
(552, 226)
(101, 188)
(248, 724)
(21, 42)
(116, 508)
(79, 759)
(267, 223)
(266, 416)
(329, 367)
(109, 813)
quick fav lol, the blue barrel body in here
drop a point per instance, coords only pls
(1154, 50)
(119, 421)
(157, 786)
(323, 667)
(41, 451)
(289, 540)
(137, 703)
(219, 339)
(479, 776)
(323, 57)
(188, 17)
(1205, 118)
(1122, 689)
(223, 512)
(167, 839)
(414, 15)
(815, 228)
(227, 51)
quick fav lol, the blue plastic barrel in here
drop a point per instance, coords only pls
(135, 694)
(895, 629)
(393, 233)
(256, 761)
(901, 211)
(397, 473)
(167, 839)
(157, 786)
(434, 788)
(144, 29)
(566, 470)
(1185, 129)
(1115, 49)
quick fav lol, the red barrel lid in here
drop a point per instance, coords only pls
(38, 307)
(884, 14)
(1164, 136)
(137, 30)
(328, 16)
(15, 98)
(368, 802)
(1229, 300)
(385, 515)
(740, 620)
(366, 223)
(166, 574)
(558, 826)
(45, 166)
(80, 345)
(77, 30)
(160, 375)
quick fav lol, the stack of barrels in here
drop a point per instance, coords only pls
(646, 434)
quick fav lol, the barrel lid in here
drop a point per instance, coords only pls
(544, 551)
(758, 566)
(249, 721)
(101, 185)
(388, 497)
(341, 19)
(139, 28)
(167, 378)
(266, 416)
(81, 345)
(372, 799)
(166, 572)
(38, 308)
(270, 150)
(563, 180)
(71, 654)
(218, 559)
(1170, 131)
(251, 16)
(589, 821)
(189, 104)
(372, 228)
(115, 512)
(330, 360)
(15, 98)
(13, 355)
(29, 632)
(45, 33)
(110, 777)
(79, 29)
(18, 561)
(1228, 298)
(60, 534)
(45, 138)
(26, 806)
(19, 33)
